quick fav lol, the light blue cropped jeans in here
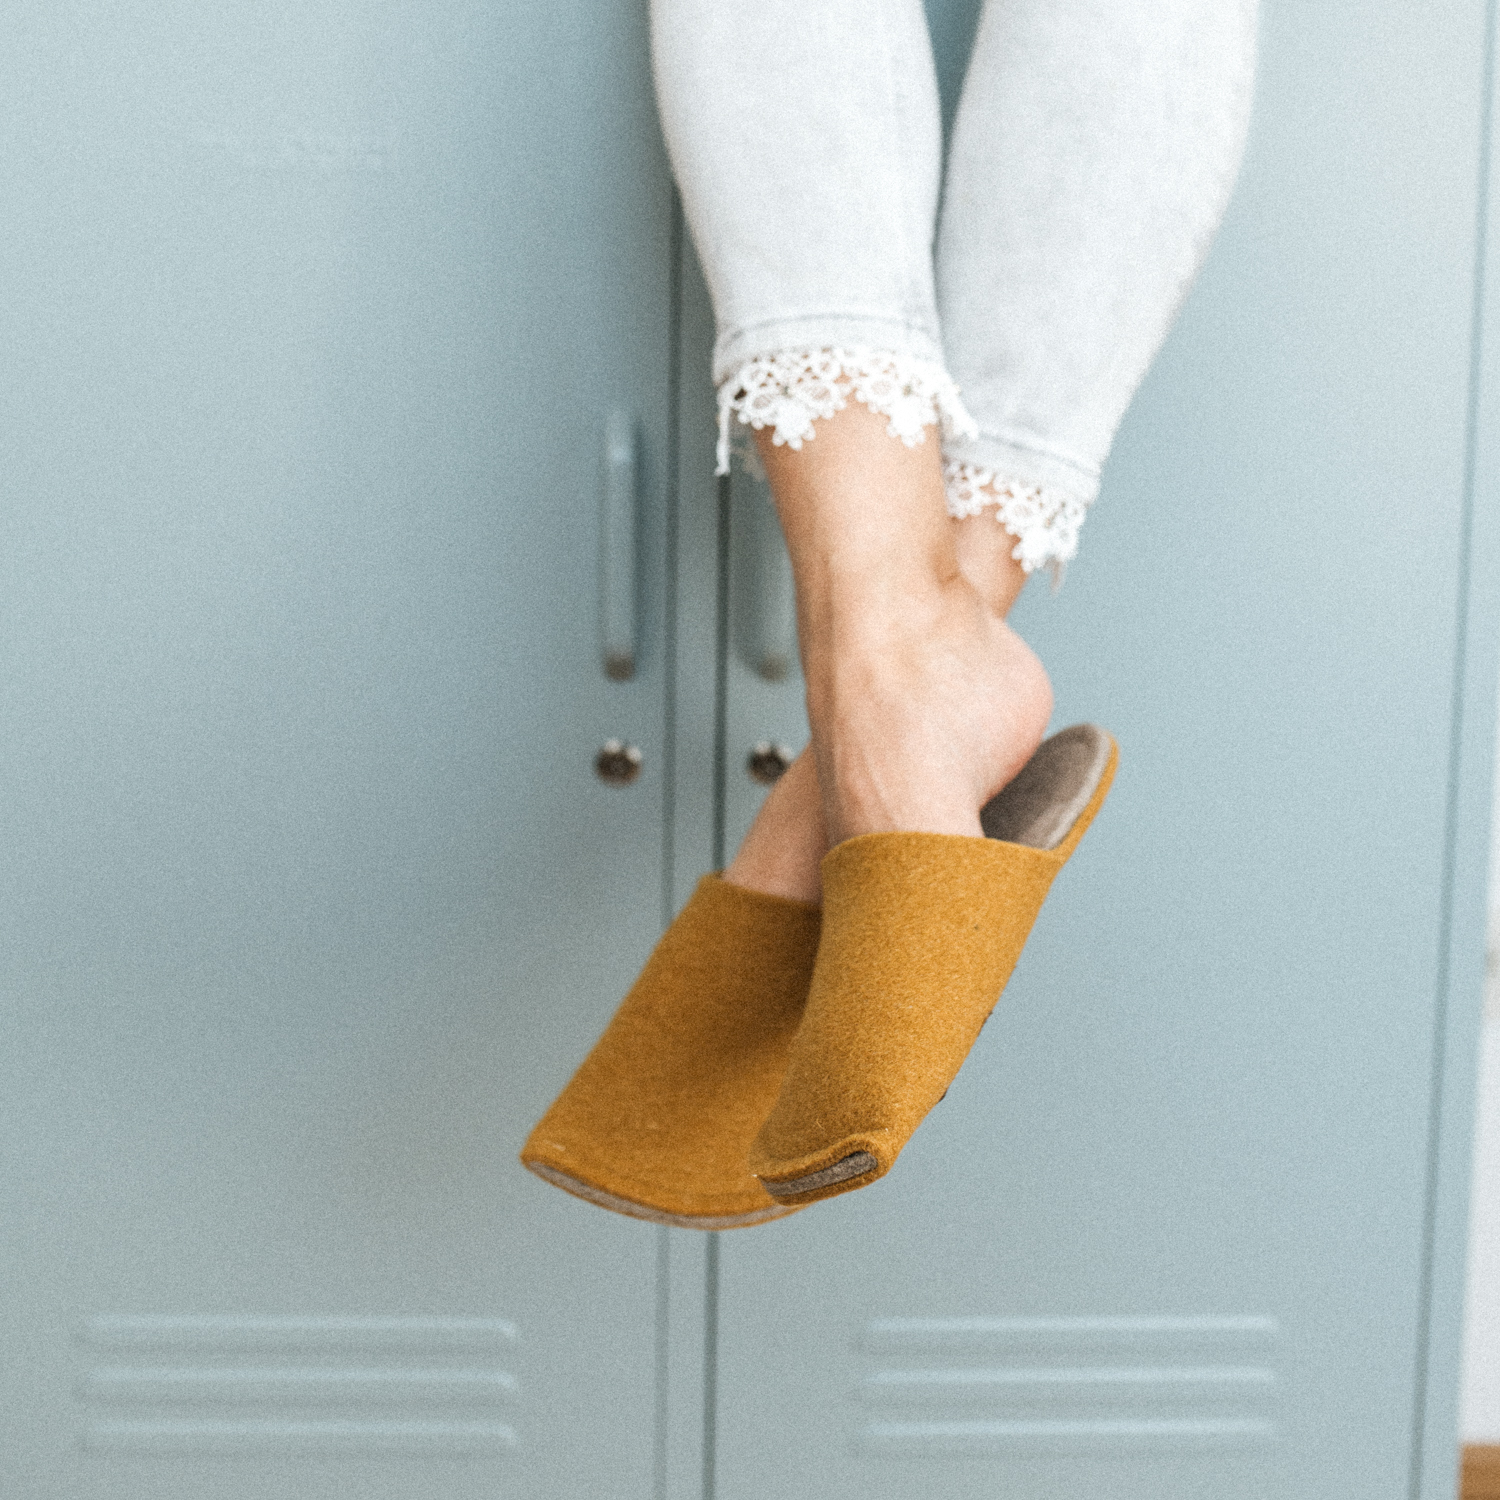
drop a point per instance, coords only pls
(1095, 146)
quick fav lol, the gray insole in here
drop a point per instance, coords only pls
(1051, 789)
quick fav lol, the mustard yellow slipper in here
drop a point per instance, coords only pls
(658, 1121)
(920, 934)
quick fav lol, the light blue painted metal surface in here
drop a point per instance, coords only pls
(316, 320)
(1187, 1224)
(314, 317)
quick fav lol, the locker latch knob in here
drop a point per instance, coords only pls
(767, 762)
(617, 763)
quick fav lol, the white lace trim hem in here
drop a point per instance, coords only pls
(788, 391)
(1043, 520)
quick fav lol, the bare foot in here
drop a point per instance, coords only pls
(922, 702)
(920, 715)
(786, 843)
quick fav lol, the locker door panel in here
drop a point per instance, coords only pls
(1166, 1234)
(315, 319)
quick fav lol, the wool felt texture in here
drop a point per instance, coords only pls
(920, 934)
(658, 1120)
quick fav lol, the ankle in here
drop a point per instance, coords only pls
(985, 552)
(875, 631)
(857, 585)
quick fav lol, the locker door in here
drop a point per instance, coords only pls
(315, 319)
(1184, 1225)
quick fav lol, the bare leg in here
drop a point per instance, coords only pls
(923, 701)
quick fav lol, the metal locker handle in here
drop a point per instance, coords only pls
(619, 547)
(770, 625)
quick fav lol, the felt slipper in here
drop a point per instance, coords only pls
(659, 1119)
(920, 934)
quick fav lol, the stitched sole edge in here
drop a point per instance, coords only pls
(655, 1215)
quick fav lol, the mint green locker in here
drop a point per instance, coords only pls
(1190, 1222)
(316, 320)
